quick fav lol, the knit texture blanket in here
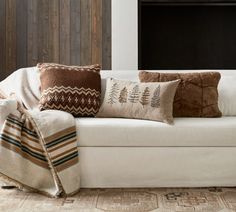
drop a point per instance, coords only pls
(38, 149)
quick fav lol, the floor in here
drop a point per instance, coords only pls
(135, 200)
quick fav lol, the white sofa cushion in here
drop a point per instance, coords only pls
(192, 132)
(227, 95)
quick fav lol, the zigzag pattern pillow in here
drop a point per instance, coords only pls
(74, 89)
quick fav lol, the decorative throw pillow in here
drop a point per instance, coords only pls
(151, 101)
(74, 89)
(196, 95)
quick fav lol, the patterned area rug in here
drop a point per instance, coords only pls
(133, 200)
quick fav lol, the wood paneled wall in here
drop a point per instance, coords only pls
(76, 32)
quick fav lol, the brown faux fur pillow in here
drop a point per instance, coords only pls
(196, 95)
(74, 89)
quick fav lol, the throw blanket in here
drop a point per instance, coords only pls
(38, 149)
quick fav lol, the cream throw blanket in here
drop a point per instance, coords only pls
(38, 150)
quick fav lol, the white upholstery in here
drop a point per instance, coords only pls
(227, 95)
(157, 166)
(188, 132)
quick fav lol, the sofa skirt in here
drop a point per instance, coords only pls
(113, 167)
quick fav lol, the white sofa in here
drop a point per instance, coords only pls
(194, 152)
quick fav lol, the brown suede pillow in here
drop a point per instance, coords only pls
(196, 95)
(74, 89)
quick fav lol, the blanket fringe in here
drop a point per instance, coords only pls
(22, 187)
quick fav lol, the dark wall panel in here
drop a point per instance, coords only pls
(3, 38)
(10, 36)
(73, 32)
(21, 36)
(32, 28)
(106, 34)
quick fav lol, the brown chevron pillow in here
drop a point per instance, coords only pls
(74, 89)
(196, 95)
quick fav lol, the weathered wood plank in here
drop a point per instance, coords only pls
(86, 50)
(75, 15)
(106, 34)
(32, 25)
(10, 36)
(2, 39)
(54, 31)
(43, 24)
(21, 35)
(74, 32)
(65, 31)
(97, 31)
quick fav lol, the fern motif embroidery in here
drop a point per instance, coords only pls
(155, 102)
(113, 96)
(145, 97)
(123, 95)
(134, 95)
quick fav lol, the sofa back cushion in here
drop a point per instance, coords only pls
(127, 99)
(227, 95)
(196, 95)
(74, 89)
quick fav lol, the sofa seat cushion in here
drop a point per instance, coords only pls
(117, 132)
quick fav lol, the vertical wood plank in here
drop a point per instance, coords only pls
(106, 34)
(32, 25)
(97, 31)
(21, 35)
(85, 42)
(54, 31)
(65, 31)
(74, 32)
(75, 15)
(10, 36)
(2, 39)
(43, 26)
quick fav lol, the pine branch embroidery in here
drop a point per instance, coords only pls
(145, 97)
(134, 95)
(155, 102)
(113, 94)
(123, 95)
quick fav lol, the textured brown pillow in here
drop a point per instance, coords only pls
(151, 101)
(196, 95)
(74, 89)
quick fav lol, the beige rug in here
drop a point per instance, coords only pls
(135, 200)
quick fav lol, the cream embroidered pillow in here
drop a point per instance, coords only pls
(151, 101)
